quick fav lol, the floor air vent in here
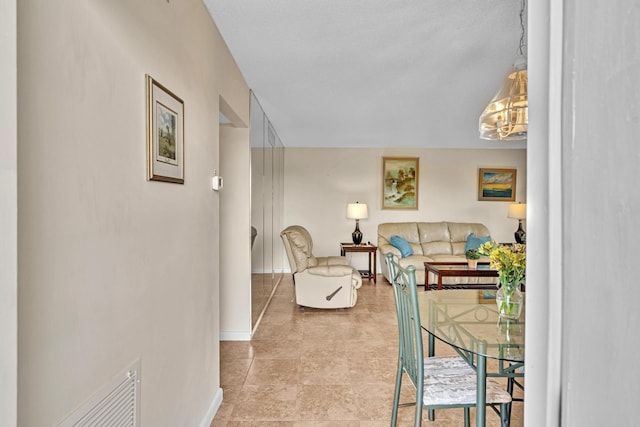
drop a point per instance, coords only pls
(115, 405)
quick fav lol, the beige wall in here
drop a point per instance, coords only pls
(112, 267)
(320, 182)
(8, 216)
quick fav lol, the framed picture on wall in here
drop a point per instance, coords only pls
(165, 134)
(487, 296)
(400, 182)
(498, 185)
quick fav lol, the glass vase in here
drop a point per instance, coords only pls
(509, 301)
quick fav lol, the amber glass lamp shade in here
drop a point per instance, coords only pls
(506, 118)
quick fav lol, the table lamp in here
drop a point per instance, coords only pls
(357, 211)
(518, 211)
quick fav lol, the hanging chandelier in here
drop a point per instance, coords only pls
(506, 118)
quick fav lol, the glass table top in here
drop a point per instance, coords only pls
(468, 320)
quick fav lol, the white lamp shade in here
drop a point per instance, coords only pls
(517, 211)
(357, 211)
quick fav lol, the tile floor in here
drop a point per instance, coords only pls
(308, 367)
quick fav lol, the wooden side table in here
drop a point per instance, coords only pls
(370, 249)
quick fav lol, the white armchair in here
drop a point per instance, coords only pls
(320, 282)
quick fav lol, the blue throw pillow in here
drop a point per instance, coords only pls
(474, 242)
(403, 246)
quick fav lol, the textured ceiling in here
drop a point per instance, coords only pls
(373, 73)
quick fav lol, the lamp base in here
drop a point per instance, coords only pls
(356, 236)
(520, 235)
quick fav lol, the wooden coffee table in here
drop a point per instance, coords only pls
(458, 269)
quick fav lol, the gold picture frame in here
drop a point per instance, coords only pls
(165, 134)
(400, 178)
(497, 185)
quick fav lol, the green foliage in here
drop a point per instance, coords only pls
(472, 254)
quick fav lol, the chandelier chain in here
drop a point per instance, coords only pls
(523, 5)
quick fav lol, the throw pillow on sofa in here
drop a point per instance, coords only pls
(403, 246)
(474, 242)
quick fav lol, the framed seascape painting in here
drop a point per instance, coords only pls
(165, 134)
(497, 185)
(400, 183)
(487, 297)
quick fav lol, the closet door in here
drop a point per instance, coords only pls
(278, 209)
(267, 201)
(270, 233)
(259, 287)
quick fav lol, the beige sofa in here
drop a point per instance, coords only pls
(431, 241)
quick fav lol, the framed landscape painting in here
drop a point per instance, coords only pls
(497, 185)
(400, 182)
(165, 134)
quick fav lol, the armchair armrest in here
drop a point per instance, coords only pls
(386, 248)
(342, 272)
(332, 260)
(331, 270)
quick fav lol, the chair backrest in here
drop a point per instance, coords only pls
(410, 331)
(299, 247)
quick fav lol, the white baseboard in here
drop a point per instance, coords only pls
(235, 336)
(263, 271)
(213, 409)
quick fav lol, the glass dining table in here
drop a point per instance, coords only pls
(468, 321)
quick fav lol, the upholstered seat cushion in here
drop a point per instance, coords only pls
(414, 260)
(450, 380)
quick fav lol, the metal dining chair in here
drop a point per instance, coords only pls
(440, 382)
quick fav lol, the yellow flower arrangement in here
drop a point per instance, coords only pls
(510, 261)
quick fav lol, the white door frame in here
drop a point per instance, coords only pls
(544, 225)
